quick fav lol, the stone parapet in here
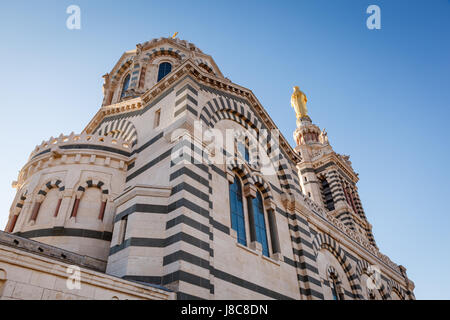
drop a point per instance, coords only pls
(54, 145)
(90, 149)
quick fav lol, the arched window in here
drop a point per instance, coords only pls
(48, 207)
(260, 223)
(126, 84)
(90, 205)
(164, 70)
(237, 211)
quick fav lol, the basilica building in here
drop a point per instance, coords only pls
(182, 187)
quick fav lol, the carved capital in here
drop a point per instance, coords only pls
(78, 194)
(230, 176)
(250, 191)
(269, 204)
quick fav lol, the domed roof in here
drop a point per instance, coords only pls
(181, 49)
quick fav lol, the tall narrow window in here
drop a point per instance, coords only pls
(243, 149)
(164, 70)
(237, 211)
(334, 290)
(126, 84)
(260, 223)
(157, 118)
(123, 229)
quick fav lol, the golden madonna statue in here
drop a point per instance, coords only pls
(298, 102)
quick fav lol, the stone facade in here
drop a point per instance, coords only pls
(146, 190)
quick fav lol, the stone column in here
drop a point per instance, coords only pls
(76, 204)
(269, 205)
(75, 208)
(250, 194)
(65, 208)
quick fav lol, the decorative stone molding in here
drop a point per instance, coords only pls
(83, 138)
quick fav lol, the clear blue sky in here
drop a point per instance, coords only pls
(383, 95)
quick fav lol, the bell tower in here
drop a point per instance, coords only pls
(327, 177)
